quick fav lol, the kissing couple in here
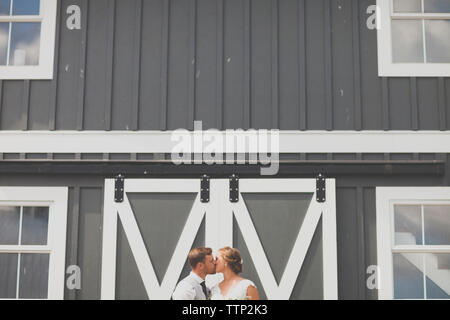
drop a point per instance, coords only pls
(215, 278)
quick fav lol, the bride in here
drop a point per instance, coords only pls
(233, 287)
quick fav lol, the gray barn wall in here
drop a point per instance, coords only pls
(160, 64)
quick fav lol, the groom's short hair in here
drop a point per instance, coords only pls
(197, 255)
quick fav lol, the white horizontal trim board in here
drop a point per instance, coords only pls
(161, 141)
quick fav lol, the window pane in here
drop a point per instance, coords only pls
(437, 225)
(8, 275)
(25, 38)
(437, 6)
(438, 40)
(407, 41)
(34, 226)
(5, 7)
(408, 224)
(438, 275)
(26, 7)
(9, 225)
(4, 32)
(408, 276)
(407, 6)
(33, 281)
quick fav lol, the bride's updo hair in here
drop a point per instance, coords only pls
(233, 258)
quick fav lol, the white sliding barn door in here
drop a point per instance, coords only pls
(155, 288)
(287, 238)
(281, 217)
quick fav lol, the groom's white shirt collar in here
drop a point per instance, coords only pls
(189, 288)
(196, 277)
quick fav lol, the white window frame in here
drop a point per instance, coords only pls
(56, 199)
(386, 68)
(386, 197)
(44, 70)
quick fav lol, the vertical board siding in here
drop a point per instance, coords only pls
(386, 124)
(13, 117)
(53, 93)
(442, 112)
(164, 64)
(161, 64)
(73, 216)
(447, 170)
(124, 46)
(83, 51)
(151, 78)
(40, 105)
(234, 62)
(96, 66)
(315, 71)
(357, 64)
(25, 104)
(1, 100)
(361, 250)
(428, 106)
(343, 65)
(261, 38)
(302, 65)
(206, 64)
(137, 48)
(69, 72)
(220, 64)
(370, 236)
(328, 64)
(414, 104)
(347, 243)
(179, 60)
(247, 64)
(372, 91)
(400, 104)
(109, 63)
(192, 69)
(446, 97)
(290, 90)
(89, 241)
(274, 66)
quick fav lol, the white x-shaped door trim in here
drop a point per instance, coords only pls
(219, 232)
(123, 210)
(316, 210)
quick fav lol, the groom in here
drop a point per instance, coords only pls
(193, 287)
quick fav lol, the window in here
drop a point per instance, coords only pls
(413, 240)
(32, 242)
(413, 38)
(27, 38)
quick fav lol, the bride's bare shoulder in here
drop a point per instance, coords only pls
(252, 292)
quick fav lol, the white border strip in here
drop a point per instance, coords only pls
(161, 141)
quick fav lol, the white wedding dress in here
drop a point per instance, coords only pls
(237, 292)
